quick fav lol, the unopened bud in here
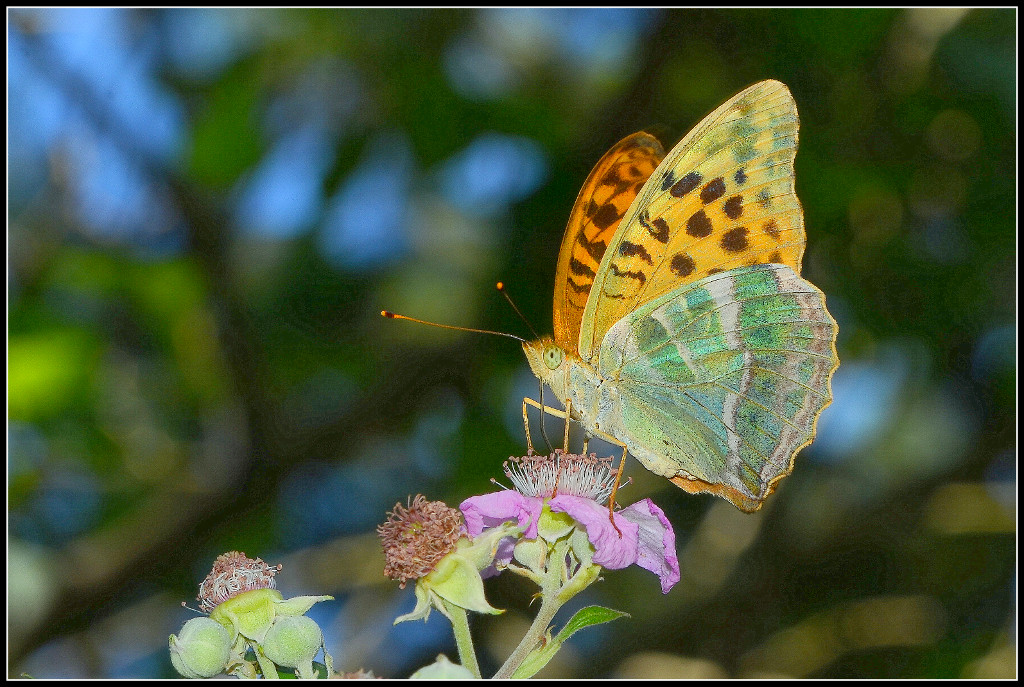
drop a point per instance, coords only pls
(202, 648)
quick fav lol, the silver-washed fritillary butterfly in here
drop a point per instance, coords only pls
(682, 328)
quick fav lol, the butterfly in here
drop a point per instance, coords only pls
(682, 328)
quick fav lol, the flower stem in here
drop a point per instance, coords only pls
(532, 639)
(549, 606)
(267, 666)
(463, 640)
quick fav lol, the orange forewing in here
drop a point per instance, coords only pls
(606, 195)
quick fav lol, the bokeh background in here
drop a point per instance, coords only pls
(209, 208)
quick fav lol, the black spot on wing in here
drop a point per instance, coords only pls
(579, 269)
(639, 276)
(579, 288)
(606, 216)
(735, 240)
(733, 207)
(699, 225)
(595, 249)
(658, 229)
(630, 249)
(682, 265)
(668, 180)
(712, 191)
(685, 185)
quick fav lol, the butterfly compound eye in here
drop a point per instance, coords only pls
(552, 357)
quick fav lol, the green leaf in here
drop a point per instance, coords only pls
(591, 615)
(538, 658)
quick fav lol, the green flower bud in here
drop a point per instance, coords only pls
(533, 553)
(588, 571)
(202, 648)
(442, 669)
(292, 642)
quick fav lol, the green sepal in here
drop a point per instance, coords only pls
(457, 580)
(423, 605)
(298, 605)
(532, 553)
(456, 577)
(484, 547)
(250, 613)
(581, 547)
(587, 573)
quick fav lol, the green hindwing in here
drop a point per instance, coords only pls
(722, 381)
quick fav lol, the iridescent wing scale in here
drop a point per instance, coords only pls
(720, 383)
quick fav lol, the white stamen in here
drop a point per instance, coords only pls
(562, 473)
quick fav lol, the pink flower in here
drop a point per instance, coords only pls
(577, 485)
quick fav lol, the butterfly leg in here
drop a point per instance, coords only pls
(526, 425)
(598, 433)
(568, 414)
(615, 487)
(548, 410)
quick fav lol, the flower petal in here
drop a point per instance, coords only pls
(611, 550)
(656, 543)
(490, 510)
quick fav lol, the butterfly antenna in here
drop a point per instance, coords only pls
(394, 316)
(501, 287)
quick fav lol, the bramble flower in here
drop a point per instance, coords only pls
(416, 537)
(557, 493)
(233, 573)
(425, 541)
(239, 594)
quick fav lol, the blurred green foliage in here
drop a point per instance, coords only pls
(209, 208)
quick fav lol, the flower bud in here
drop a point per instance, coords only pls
(442, 669)
(202, 648)
(292, 642)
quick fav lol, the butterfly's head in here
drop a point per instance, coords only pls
(548, 361)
